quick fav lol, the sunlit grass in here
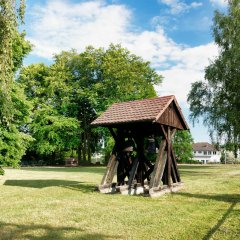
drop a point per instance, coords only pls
(62, 203)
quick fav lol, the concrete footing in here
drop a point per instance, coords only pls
(137, 190)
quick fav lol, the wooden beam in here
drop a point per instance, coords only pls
(173, 133)
(110, 170)
(173, 174)
(169, 159)
(173, 157)
(175, 166)
(164, 132)
(159, 166)
(132, 173)
(165, 177)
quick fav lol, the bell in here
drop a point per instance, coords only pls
(151, 146)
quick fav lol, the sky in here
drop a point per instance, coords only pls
(174, 35)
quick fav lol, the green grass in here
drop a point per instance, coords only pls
(61, 203)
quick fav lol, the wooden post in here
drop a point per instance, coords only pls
(133, 173)
(175, 174)
(109, 175)
(175, 168)
(159, 166)
(169, 157)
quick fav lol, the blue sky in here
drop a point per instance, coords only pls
(174, 35)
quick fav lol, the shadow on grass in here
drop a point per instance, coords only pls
(233, 199)
(11, 231)
(39, 183)
(211, 232)
(94, 169)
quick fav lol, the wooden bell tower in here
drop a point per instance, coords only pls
(136, 120)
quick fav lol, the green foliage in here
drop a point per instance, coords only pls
(217, 99)
(52, 130)
(100, 77)
(13, 145)
(114, 75)
(21, 47)
(182, 146)
(33, 79)
(77, 87)
(14, 139)
(13, 48)
(14, 108)
(53, 133)
(109, 141)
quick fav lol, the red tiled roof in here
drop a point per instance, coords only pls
(203, 146)
(134, 111)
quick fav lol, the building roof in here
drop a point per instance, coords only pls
(146, 110)
(203, 146)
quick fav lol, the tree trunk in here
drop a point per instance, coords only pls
(89, 152)
(235, 150)
(84, 149)
(52, 162)
(79, 152)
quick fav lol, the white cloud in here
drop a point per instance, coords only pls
(220, 3)
(190, 68)
(61, 25)
(177, 6)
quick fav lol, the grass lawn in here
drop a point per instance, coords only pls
(61, 203)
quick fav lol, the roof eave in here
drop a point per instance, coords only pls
(121, 123)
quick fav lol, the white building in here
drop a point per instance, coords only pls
(206, 153)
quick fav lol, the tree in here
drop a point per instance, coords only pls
(14, 109)
(182, 146)
(217, 98)
(80, 86)
(53, 132)
(100, 77)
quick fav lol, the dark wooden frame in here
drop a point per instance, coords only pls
(164, 175)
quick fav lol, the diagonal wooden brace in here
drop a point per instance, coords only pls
(107, 179)
(159, 166)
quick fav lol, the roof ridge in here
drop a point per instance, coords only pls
(144, 99)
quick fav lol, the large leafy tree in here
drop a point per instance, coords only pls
(52, 130)
(80, 86)
(217, 98)
(14, 109)
(100, 77)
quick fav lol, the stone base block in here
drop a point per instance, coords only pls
(133, 191)
(107, 188)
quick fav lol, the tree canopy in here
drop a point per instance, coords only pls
(71, 92)
(182, 145)
(14, 108)
(217, 98)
